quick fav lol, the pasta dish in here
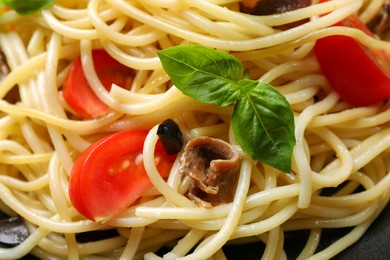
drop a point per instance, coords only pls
(170, 129)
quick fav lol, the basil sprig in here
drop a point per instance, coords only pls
(26, 7)
(262, 121)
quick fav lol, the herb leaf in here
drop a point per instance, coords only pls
(262, 121)
(207, 75)
(26, 7)
(263, 124)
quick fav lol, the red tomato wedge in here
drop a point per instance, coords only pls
(359, 75)
(4, 9)
(109, 175)
(78, 93)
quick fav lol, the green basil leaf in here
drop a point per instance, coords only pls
(207, 75)
(27, 7)
(263, 124)
(262, 121)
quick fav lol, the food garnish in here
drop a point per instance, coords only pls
(262, 121)
(213, 166)
(109, 175)
(26, 7)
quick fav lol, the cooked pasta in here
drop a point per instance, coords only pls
(338, 147)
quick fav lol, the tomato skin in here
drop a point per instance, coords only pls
(109, 175)
(78, 93)
(4, 9)
(359, 75)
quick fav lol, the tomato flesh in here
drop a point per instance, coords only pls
(109, 175)
(78, 93)
(359, 75)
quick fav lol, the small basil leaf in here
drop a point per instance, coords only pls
(207, 75)
(263, 124)
(27, 7)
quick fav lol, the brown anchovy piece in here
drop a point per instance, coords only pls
(213, 166)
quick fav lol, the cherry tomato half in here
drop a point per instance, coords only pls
(109, 175)
(359, 75)
(78, 93)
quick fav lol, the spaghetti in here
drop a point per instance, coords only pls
(41, 137)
